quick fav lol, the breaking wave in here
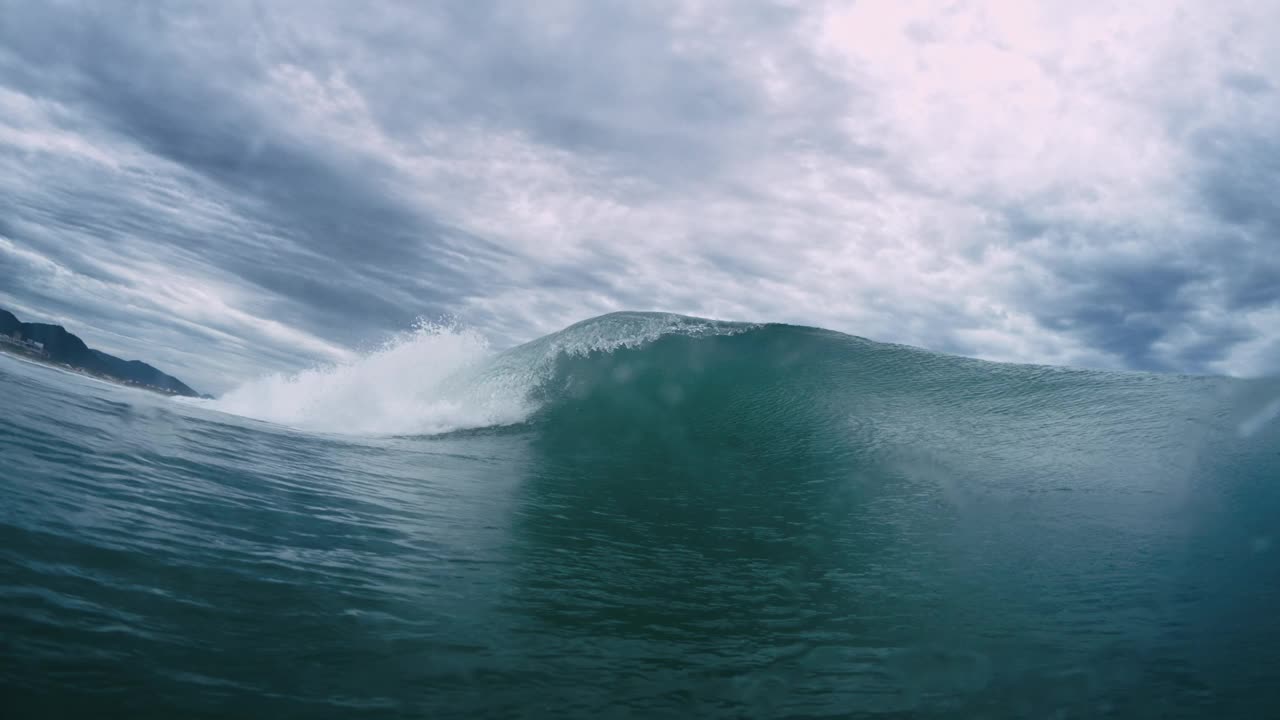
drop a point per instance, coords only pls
(440, 378)
(664, 375)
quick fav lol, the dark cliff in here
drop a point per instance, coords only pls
(64, 347)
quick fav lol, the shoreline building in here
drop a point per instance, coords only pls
(31, 346)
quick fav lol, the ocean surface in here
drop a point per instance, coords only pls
(643, 516)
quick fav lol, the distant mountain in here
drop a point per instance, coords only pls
(61, 346)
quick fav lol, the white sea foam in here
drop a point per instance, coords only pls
(438, 378)
(417, 383)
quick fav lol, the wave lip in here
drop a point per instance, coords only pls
(441, 378)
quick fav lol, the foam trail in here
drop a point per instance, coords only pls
(416, 383)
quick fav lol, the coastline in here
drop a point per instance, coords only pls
(27, 356)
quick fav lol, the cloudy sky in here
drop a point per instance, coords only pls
(228, 189)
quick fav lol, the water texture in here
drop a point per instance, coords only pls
(643, 516)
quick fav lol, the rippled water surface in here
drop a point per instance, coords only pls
(768, 522)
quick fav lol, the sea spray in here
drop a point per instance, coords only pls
(443, 377)
(401, 387)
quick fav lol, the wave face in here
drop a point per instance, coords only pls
(644, 515)
(441, 378)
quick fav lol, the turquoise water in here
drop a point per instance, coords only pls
(644, 516)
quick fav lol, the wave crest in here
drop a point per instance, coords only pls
(441, 378)
(403, 386)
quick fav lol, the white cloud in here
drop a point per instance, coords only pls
(1032, 182)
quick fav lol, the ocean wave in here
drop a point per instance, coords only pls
(736, 520)
(664, 375)
(440, 378)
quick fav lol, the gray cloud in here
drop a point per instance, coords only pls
(250, 187)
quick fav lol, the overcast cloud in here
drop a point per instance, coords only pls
(227, 189)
